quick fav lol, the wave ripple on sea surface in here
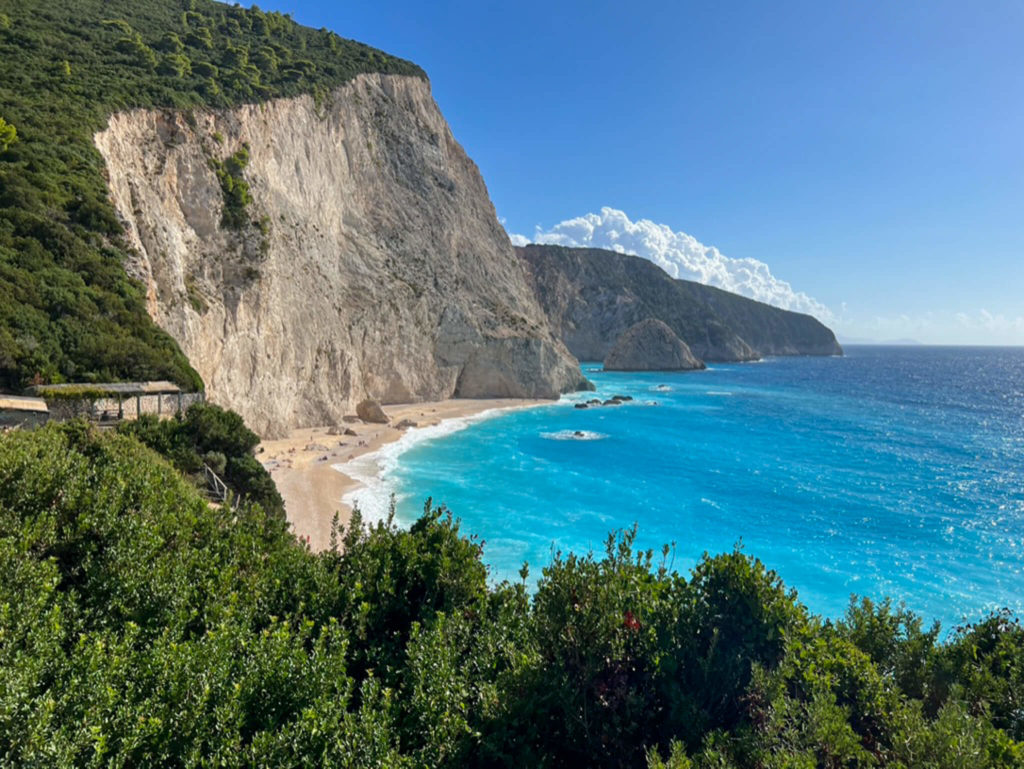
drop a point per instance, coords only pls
(891, 471)
(573, 435)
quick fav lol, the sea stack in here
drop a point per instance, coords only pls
(650, 345)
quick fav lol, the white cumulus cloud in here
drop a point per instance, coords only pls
(679, 254)
(993, 322)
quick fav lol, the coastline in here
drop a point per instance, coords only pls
(320, 471)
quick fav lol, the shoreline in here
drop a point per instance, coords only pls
(322, 471)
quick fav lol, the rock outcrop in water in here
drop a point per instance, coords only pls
(592, 297)
(650, 345)
(370, 262)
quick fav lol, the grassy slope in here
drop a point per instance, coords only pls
(68, 311)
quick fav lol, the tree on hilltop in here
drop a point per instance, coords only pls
(8, 135)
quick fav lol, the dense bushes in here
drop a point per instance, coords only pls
(139, 626)
(68, 311)
(143, 628)
(207, 434)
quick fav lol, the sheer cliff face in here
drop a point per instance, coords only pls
(592, 297)
(373, 266)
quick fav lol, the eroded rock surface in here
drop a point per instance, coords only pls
(593, 296)
(370, 411)
(373, 264)
(650, 345)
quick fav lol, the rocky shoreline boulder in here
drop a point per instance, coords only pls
(370, 411)
(650, 345)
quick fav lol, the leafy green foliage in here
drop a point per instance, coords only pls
(894, 640)
(235, 188)
(984, 666)
(208, 434)
(8, 135)
(68, 310)
(141, 627)
(636, 656)
(396, 580)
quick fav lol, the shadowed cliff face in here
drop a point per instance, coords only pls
(370, 262)
(592, 297)
(650, 345)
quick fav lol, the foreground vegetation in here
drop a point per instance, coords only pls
(218, 438)
(68, 310)
(140, 627)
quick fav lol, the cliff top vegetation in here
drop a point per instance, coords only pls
(68, 311)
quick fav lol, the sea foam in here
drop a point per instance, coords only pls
(574, 435)
(374, 471)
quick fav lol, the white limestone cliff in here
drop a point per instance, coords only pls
(374, 266)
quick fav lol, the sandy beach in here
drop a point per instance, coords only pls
(308, 465)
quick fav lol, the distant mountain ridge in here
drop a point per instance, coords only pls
(593, 296)
(882, 342)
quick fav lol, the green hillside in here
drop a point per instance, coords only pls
(68, 312)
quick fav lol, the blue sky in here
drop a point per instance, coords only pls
(870, 154)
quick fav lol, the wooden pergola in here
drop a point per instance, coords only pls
(119, 391)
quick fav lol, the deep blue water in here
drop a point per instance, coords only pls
(888, 472)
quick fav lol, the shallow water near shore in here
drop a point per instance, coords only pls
(888, 472)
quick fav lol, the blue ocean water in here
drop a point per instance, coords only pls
(892, 471)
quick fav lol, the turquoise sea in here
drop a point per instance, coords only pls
(892, 471)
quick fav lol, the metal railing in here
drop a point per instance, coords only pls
(217, 489)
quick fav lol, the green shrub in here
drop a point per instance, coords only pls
(200, 38)
(396, 579)
(140, 53)
(139, 626)
(170, 43)
(208, 434)
(8, 135)
(205, 69)
(235, 189)
(983, 665)
(142, 627)
(175, 65)
(894, 640)
(735, 617)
